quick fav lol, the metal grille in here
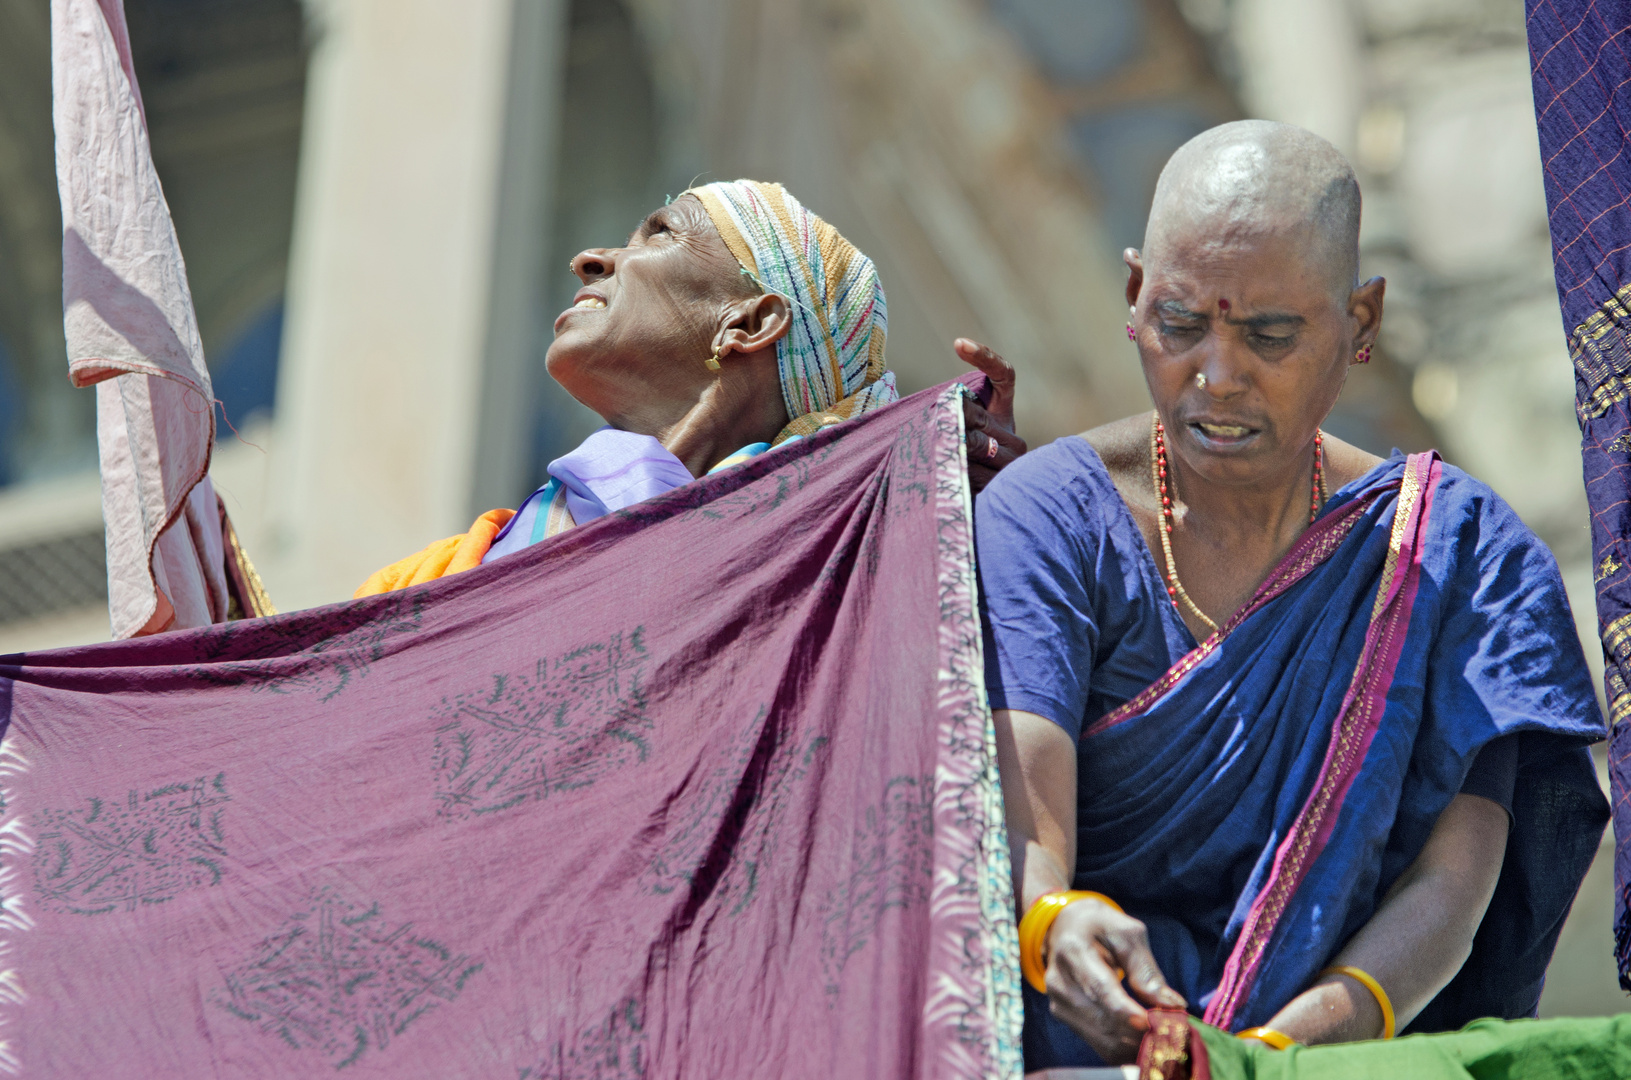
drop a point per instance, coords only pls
(48, 576)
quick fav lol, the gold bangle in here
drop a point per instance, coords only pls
(1034, 927)
(1277, 1039)
(1365, 980)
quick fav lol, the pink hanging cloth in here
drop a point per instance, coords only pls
(132, 332)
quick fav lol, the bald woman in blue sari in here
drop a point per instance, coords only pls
(1291, 736)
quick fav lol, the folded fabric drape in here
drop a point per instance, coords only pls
(451, 555)
(706, 787)
(1595, 1048)
(132, 333)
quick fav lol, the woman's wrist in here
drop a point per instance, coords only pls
(1037, 926)
(1330, 1012)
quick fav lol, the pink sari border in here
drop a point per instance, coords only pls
(1357, 723)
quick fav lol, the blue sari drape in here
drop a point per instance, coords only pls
(1190, 799)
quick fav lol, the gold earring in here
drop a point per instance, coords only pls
(713, 361)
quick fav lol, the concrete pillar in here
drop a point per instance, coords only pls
(411, 306)
(1300, 65)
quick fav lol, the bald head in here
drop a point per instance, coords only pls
(1255, 177)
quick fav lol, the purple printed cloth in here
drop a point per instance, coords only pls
(705, 788)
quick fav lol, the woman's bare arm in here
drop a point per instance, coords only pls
(1414, 944)
(1089, 940)
(1420, 936)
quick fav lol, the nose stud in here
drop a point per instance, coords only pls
(1200, 379)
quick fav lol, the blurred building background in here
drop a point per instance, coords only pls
(377, 200)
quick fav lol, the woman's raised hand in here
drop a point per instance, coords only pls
(1088, 944)
(991, 437)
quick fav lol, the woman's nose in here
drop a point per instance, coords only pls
(1219, 374)
(594, 264)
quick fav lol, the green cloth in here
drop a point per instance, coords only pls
(1598, 1048)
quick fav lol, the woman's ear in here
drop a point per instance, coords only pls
(749, 325)
(1135, 274)
(1365, 308)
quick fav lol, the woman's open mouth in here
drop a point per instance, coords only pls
(583, 301)
(1222, 436)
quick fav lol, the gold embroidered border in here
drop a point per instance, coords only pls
(558, 518)
(1602, 354)
(255, 598)
(1617, 644)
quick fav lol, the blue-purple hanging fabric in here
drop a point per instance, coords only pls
(1580, 53)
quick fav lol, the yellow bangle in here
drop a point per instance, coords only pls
(1034, 927)
(1364, 979)
(1277, 1039)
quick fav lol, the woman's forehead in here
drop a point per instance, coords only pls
(688, 210)
(684, 216)
(1290, 260)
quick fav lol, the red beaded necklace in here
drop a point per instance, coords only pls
(1158, 471)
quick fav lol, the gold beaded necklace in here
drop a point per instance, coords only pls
(1158, 475)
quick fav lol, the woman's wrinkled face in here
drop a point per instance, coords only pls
(1245, 343)
(642, 323)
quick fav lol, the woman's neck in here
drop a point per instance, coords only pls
(1271, 513)
(728, 414)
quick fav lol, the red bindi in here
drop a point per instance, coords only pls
(1223, 305)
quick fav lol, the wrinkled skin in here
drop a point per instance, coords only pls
(674, 296)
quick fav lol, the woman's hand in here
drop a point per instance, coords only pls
(1087, 944)
(1089, 940)
(992, 440)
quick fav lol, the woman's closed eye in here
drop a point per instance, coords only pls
(1179, 329)
(655, 224)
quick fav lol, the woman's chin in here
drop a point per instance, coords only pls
(575, 378)
(564, 365)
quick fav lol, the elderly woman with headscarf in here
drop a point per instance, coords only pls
(733, 321)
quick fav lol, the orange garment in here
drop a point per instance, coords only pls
(450, 556)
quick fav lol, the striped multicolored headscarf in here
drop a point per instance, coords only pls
(832, 362)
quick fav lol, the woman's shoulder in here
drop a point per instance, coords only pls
(1482, 518)
(1060, 491)
(1123, 448)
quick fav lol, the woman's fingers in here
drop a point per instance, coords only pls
(1129, 947)
(998, 370)
(978, 417)
(1089, 947)
(1083, 992)
(982, 467)
(991, 438)
(990, 446)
